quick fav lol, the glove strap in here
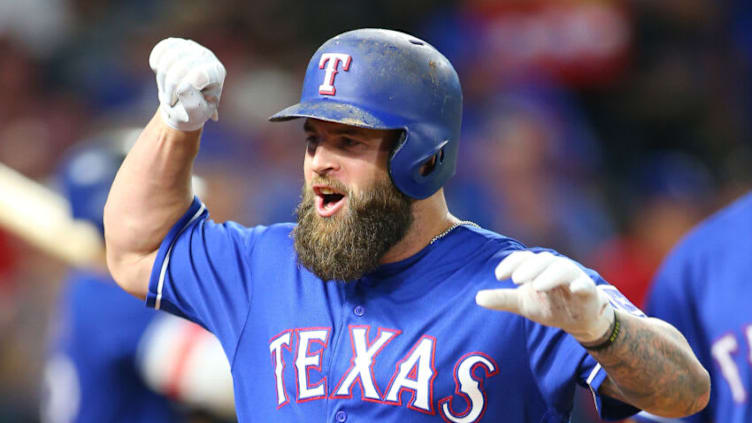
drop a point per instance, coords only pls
(613, 334)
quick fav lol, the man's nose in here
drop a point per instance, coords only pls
(323, 160)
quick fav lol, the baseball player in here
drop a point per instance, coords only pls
(378, 305)
(703, 289)
(103, 343)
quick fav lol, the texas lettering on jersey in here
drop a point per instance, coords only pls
(414, 373)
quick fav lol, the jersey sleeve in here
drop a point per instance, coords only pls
(202, 273)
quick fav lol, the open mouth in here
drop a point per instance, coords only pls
(328, 201)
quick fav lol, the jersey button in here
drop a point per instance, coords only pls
(341, 416)
(359, 310)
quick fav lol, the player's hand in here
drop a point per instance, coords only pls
(189, 80)
(553, 291)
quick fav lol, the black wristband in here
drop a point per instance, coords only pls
(615, 329)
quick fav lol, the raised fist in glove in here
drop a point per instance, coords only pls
(553, 291)
(189, 80)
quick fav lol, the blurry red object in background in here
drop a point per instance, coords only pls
(579, 43)
(626, 264)
(7, 263)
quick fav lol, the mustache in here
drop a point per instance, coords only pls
(333, 183)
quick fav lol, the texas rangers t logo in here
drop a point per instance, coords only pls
(332, 60)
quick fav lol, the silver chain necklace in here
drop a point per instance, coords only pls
(451, 228)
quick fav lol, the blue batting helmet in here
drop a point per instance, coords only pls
(382, 79)
(88, 169)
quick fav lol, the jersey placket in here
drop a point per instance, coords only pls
(339, 353)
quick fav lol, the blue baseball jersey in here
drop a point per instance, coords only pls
(91, 374)
(703, 289)
(405, 342)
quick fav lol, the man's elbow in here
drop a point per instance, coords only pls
(130, 272)
(697, 389)
(701, 390)
(696, 395)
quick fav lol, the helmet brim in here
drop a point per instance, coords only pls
(332, 111)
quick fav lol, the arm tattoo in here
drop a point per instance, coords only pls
(651, 366)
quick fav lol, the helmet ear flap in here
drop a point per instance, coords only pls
(417, 169)
(428, 165)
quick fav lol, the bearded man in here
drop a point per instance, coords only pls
(368, 309)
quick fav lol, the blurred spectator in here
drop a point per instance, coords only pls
(532, 171)
(670, 192)
(39, 25)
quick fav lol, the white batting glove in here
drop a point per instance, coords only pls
(189, 80)
(553, 291)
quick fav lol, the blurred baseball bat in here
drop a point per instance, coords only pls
(42, 217)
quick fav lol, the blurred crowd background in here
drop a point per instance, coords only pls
(604, 129)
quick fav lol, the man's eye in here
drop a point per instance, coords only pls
(349, 142)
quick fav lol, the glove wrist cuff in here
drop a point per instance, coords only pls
(608, 338)
(599, 329)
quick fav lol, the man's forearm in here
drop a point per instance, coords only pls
(651, 366)
(149, 194)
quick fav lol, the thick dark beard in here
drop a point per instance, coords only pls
(346, 247)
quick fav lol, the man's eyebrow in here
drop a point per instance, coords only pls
(346, 130)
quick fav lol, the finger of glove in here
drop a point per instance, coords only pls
(219, 72)
(199, 78)
(557, 272)
(211, 95)
(191, 99)
(210, 75)
(583, 286)
(510, 263)
(499, 299)
(213, 91)
(212, 100)
(164, 48)
(533, 266)
(173, 64)
(176, 74)
(165, 67)
(202, 79)
(159, 50)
